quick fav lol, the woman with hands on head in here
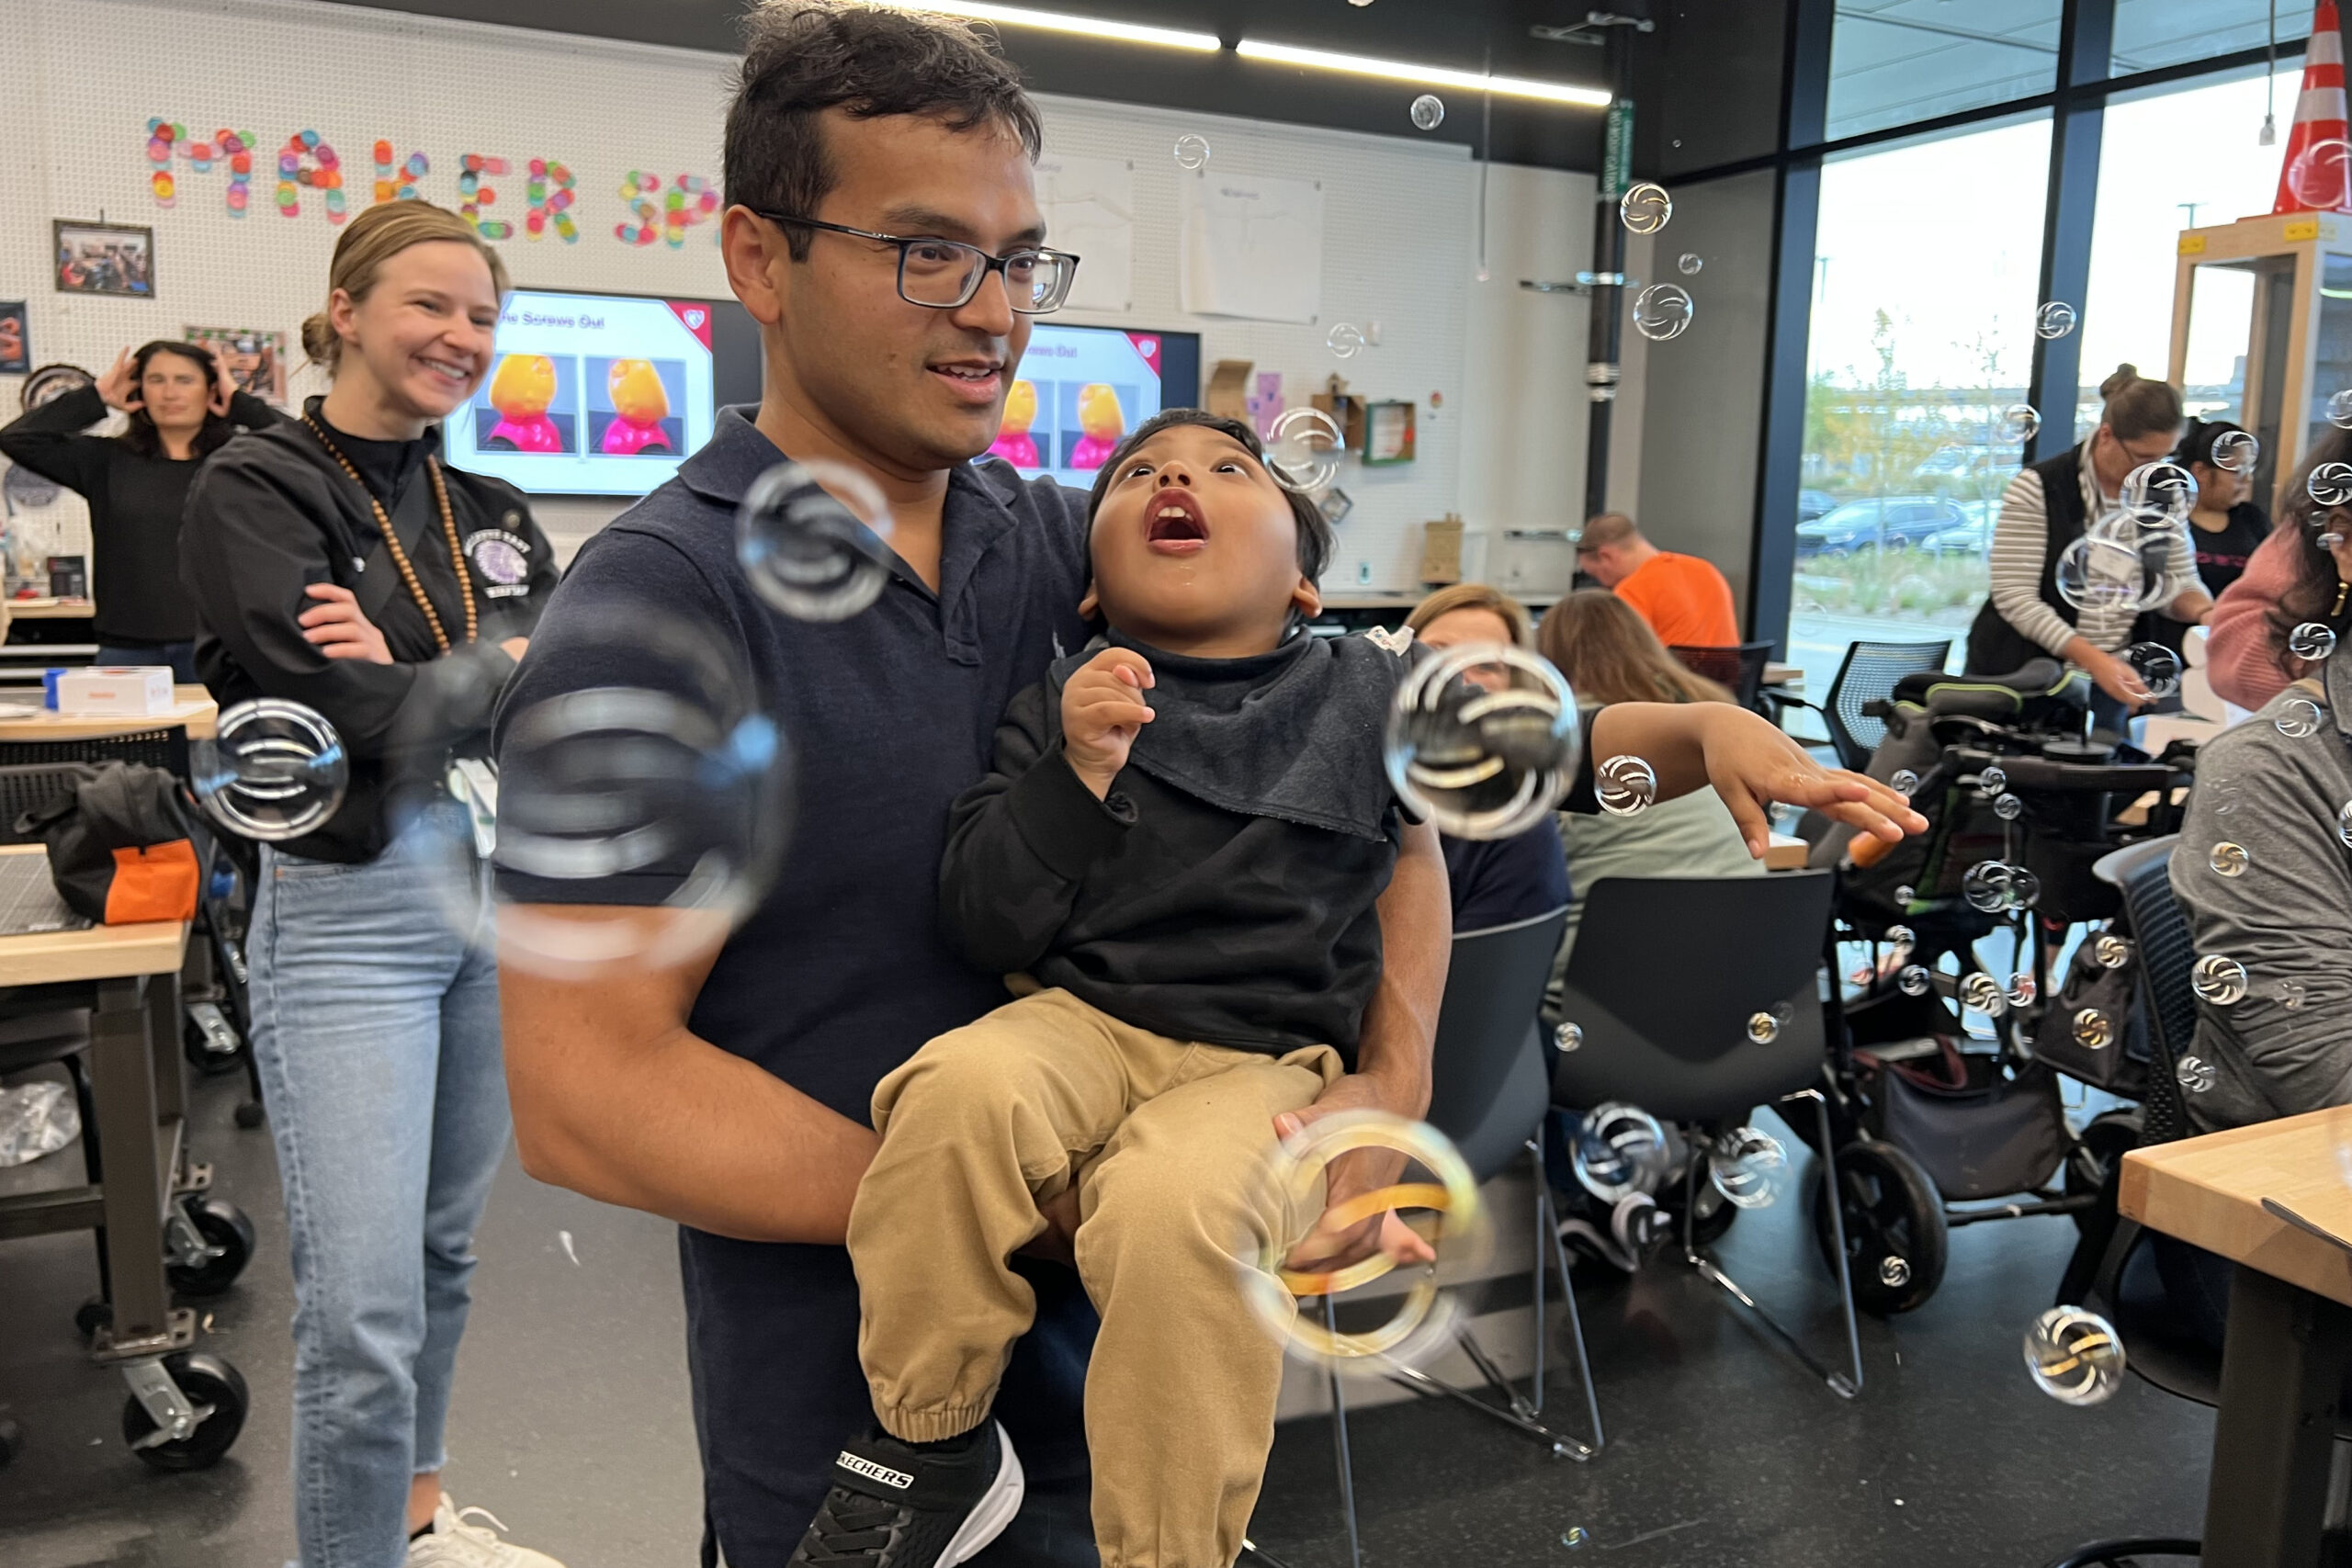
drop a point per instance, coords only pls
(182, 407)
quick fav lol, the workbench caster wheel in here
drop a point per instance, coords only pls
(249, 1114)
(209, 1041)
(11, 1440)
(217, 1392)
(92, 1315)
(228, 1239)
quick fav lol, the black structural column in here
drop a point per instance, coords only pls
(1780, 468)
(2086, 33)
(1605, 338)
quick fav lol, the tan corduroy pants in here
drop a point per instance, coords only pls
(1167, 1140)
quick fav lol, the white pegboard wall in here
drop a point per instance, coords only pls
(1398, 213)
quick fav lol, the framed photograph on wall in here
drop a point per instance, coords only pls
(256, 360)
(105, 258)
(16, 339)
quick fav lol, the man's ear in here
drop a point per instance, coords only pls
(1306, 598)
(753, 249)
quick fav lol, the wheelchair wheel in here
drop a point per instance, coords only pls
(206, 1380)
(2110, 1136)
(1894, 1226)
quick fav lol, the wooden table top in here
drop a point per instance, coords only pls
(191, 709)
(101, 952)
(47, 609)
(2208, 1190)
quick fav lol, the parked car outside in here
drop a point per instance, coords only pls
(1812, 504)
(1889, 523)
(1974, 537)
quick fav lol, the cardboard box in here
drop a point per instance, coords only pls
(1441, 551)
(115, 691)
(1228, 395)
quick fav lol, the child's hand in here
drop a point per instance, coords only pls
(1753, 763)
(1103, 707)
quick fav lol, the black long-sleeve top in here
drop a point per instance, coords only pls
(135, 503)
(273, 512)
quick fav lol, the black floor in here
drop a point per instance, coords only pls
(571, 1419)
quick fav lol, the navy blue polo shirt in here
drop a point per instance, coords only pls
(841, 973)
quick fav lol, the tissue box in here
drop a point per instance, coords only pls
(135, 691)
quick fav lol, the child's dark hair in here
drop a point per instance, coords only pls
(2196, 439)
(1314, 531)
(2312, 595)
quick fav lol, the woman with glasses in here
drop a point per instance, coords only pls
(2050, 505)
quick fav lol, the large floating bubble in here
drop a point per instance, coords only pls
(2310, 641)
(2219, 979)
(2054, 320)
(1646, 208)
(2330, 484)
(2237, 451)
(2157, 666)
(1280, 1275)
(2229, 860)
(2100, 573)
(1748, 1166)
(2299, 718)
(1619, 1150)
(2074, 1356)
(810, 538)
(2158, 494)
(2319, 176)
(1689, 264)
(1428, 112)
(1345, 339)
(1192, 151)
(1979, 992)
(1662, 311)
(1303, 449)
(273, 770)
(2020, 422)
(2194, 1073)
(1624, 785)
(1482, 764)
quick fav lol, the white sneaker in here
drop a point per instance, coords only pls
(456, 1541)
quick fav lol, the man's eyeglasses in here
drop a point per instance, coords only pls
(944, 275)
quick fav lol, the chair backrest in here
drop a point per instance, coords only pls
(1739, 667)
(2167, 949)
(1868, 674)
(1668, 974)
(1484, 1094)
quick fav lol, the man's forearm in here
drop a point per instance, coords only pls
(1415, 939)
(672, 1125)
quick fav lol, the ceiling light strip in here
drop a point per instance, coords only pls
(1055, 21)
(1425, 76)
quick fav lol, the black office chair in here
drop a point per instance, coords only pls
(1867, 675)
(1666, 978)
(1739, 667)
(1487, 1096)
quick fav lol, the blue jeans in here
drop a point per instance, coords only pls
(376, 1027)
(180, 656)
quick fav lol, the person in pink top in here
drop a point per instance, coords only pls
(2289, 580)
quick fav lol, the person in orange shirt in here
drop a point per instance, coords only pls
(1684, 599)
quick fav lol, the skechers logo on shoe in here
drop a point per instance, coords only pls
(873, 1471)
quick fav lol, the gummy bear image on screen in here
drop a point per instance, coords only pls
(1101, 424)
(1013, 442)
(640, 405)
(522, 389)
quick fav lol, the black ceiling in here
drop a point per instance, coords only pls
(1459, 33)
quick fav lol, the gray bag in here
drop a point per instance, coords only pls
(1976, 1134)
(2119, 1066)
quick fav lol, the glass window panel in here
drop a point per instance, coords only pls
(2150, 33)
(1895, 62)
(1925, 273)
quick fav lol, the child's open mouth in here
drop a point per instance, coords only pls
(1173, 525)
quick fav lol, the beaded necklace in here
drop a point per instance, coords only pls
(392, 542)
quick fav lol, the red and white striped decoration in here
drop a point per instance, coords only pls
(2317, 173)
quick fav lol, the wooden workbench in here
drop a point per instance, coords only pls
(192, 710)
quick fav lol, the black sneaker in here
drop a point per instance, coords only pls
(894, 1505)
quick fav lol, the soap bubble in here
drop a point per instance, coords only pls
(1662, 312)
(2025, 888)
(2007, 807)
(1303, 452)
(2110, 951)
(1482, 764)
(2093, 1030)
(1618, 1150)
(1901, 939)
(1748, 1166)
(1914, 981)
(1905, 781)
(273, 770)
(1689, 264)
(669, 782)
(2020, 422)
(2316, 177)
(1987, 887)
(2297, 719)
(2099, 573)
(2074, 1356)
(810, 538)
(2238, 452)
(1624, 785)
(1905, 893)
(2159, 493)
(1993, 779)
(1979, 992)
(2021, 989)
(2330, 484)
(2293, 995)
(1568, 1037)
(2157, 666)
(1346, 340)
(2339, 409)
(2328, 541)
(1762, 1028)
(1435, 1183)
(2344, 824)
(1644, 208)
(1428, 112)
(2228, 859)
(2310, 641)
(2219, 979)
(2054, 320)
(1192, 151)
(2194, 1073)
(1575, 1536)
(1893, 1272)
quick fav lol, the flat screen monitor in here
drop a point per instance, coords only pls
(603, 394)
(1081, 389)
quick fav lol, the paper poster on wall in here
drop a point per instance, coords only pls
(1089, 206)
(256, 360)
(16, 339)
(1252, 247)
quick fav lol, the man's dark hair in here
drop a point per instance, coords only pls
(1314, 531)
(803, 57)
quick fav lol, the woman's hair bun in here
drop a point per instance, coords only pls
(319, 339)
(2125, 374)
